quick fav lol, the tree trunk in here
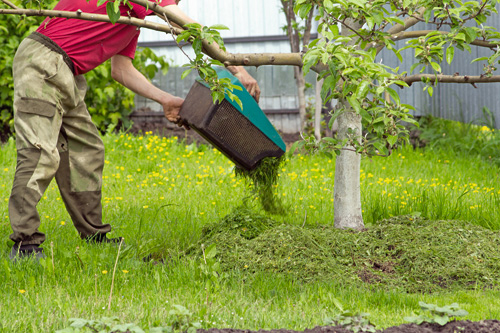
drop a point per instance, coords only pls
(301, 93)
(317, 110)
(347, 191)
(294, 34)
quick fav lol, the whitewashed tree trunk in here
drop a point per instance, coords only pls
(347, 191)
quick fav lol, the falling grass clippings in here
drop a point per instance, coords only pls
(264, 179)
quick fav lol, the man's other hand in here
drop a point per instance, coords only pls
(247, 80)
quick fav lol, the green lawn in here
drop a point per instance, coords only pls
(158, 194)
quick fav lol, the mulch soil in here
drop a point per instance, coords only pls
(459, 326)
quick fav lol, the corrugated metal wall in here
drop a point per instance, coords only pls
(264, 18)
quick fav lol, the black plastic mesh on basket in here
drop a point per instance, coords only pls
(227, 129)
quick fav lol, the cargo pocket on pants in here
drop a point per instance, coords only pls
(36, 106)
(34, 122)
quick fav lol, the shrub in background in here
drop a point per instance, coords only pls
(478, 138)
(13, 29)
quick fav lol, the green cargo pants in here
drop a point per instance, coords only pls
(55, 137)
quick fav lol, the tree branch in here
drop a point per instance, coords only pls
(451, 78)
(307, 34)
(10, 4)
(229, 59)
(420, 33)
(88, 17)
(408, 23)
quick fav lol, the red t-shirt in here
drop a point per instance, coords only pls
(90, 43)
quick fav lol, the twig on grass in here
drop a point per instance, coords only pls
(114, 271)
(95, 287)
(52, 254)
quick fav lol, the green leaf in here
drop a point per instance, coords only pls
(380, 146)
(442, 320)
(479, 59)
(334, 117)
(210, 251)
(112, 14)
(470, 34)
(450, 53)
(436, 67)
(460, 313)
(359, 3)
(370, 22)
(460, 36)
(392, 139)
(218, 27)
(430, 90)
(394, 95)
(186, 73)
(363, 89)
(415, 65)
(399, 82)
(354, 103)
(427, 14)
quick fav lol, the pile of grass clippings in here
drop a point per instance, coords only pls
(263, 180)
(242, 222)
(405, 253)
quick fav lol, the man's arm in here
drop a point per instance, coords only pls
(123, 71)
(240, 72)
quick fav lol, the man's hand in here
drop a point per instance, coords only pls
(247, 80)
(171, 108)
(123, 71)
(250, 83)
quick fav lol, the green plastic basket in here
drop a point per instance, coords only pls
(245, 135)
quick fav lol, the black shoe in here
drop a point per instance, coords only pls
(26, 251)
(102, 239)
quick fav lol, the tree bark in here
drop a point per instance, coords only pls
(301, 93)
(347, 189)
(295, 43)
(317, 110)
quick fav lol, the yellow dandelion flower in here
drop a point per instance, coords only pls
(22, 291)
(104, 272)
